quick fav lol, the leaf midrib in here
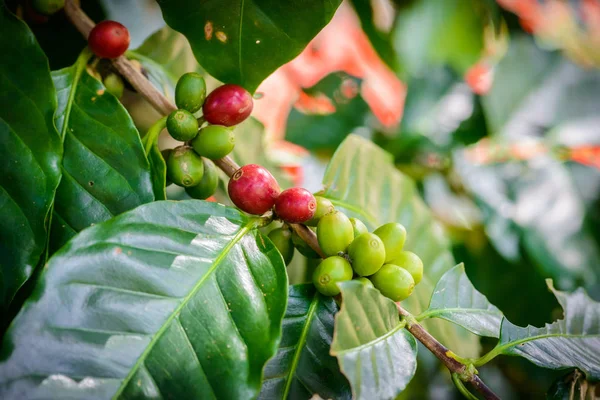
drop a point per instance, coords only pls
(238, 236)
(79, 67)
(300, 346)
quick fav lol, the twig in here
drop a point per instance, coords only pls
(84, 24)
(309, 237)
(443, 354)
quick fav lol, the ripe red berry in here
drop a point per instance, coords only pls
(295, 205)
(227, 105)
(253, 189)
(109, 39)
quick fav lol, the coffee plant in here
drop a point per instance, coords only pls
(112, 286)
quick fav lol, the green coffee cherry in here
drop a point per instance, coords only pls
(114, 85)
(393, 282)
(185, 167)
(410, 262)
(324, 207)
(335, 233)
(214, 141)
(282, 239)
(367, 254)
(47, 7)
(393, 236)
(331, 271)
(182, 125)
(365, 281)
(165, 155)
(208, 184)
(359, 227)
(190, 92)
(303, 247)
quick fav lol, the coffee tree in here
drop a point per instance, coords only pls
(109, 290)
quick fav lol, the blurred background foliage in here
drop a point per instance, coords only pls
(492, 107)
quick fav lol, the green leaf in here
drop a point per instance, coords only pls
(573, 341)
(303, 366)
(362, 181)
(105, 170)
(169, 49)
(182, 299)
(513, 83)
(246, 41)
(455, 299)
(375, 352)
(30, 154)
(430, 32)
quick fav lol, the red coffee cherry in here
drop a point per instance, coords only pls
(227, 105)
(295, 205)
(109, 39)
(253, 189)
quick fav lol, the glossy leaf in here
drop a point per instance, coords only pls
(361, 181)
(30, 154)
(375, 352)
(246, 41)
(303, 366)
(573, 341)
(105, 170)
(455, 299)
(181, 299)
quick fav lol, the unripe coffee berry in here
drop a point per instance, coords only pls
(182, 125)
(208, 184)
(185, 167)
(331, 271)
(47, 7)
(108, 39)
(253, 189)
(114, 85)
(410, 262)
(282, 239)
(393, 236)
(214, 141)
(303, 247)
(227, 105)
(393, 282)
(367, 254)
(359, 227)
(190, 92)
(295, 205)
(324, 207)
(334, 233)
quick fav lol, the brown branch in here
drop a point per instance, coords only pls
(84, 24)
(443, 354)
(139, 82)
(309, 237)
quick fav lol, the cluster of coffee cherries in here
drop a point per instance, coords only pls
(190, 165)
(376, 259)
